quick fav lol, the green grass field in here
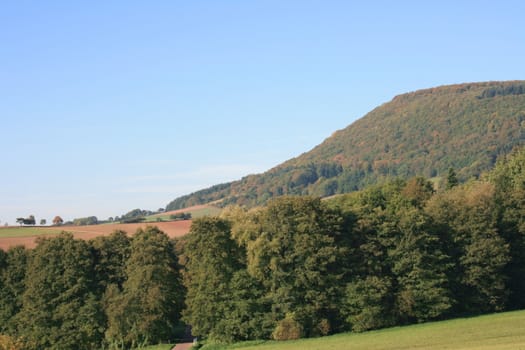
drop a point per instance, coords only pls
(25, 231)
(503, 331)
(195, 213)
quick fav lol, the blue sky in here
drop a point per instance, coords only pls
(107, 106)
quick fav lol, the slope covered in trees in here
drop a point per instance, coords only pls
(422, 133)
(392, 254)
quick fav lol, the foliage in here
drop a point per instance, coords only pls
(468, 216)
(13, 266)
(288, 329)
(90, 220)
(367, 302)
(416, 134)
(211, 260)
(508, 178)
(392, 254)
(135, 216)
(26, 221)
(111, 256)
(452, 179)
(57, 221)
(68, 293)
(293, 252)
(180, 216)
(503, 90)
(10, 343)
(148, 307)
(59, 309)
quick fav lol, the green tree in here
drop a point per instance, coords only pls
(452, 179)
(467, 217)
(418, 190)
(368, 303)
(245, 314)
(147, 310)
(401, 267)
(211, 259)
(111, 255)
(12, 286)
(294, 252)
(508, 177)
(90, 220)
(26, 221)
(59, 309)
(421, 269)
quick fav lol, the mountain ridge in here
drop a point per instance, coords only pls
(423, 132)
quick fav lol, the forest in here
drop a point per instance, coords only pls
(415, 134)
(394, 253)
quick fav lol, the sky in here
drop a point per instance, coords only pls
(108, 106)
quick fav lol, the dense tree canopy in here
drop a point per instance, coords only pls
(401, 252)
(391, 254)
(421, 133)
(59, 308)
(13, 266)
(148, 307)
(212, 258)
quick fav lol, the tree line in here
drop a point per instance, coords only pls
(113, 292)
(391, 254)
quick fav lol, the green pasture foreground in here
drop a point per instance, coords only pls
(497, 331)
(25, 231)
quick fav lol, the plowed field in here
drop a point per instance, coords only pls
(13, 236)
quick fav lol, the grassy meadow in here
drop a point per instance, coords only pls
(196, 212)
(24, 231)
(504, 331)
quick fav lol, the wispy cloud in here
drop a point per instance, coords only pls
(156, 189)
(184, 182)
(213, 173)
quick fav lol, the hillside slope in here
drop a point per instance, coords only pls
(425, 132)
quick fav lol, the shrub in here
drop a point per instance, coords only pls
(287, 329)
(9, 343)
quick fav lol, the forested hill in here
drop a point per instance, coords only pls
(426, 132)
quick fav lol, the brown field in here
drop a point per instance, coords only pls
(172, 229)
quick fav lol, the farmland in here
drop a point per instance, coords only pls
(195, 211)
(12, 236)
(27, 235)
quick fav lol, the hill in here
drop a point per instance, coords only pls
(426, 132)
